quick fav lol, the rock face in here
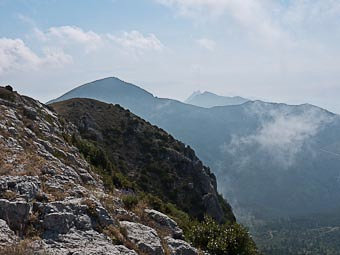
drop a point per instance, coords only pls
(51, 198)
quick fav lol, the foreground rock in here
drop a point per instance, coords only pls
(144, 237)
(84, 242)
(180, 247)
(165, 221)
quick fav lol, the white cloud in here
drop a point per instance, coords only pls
(255, 16)
(206, 43)
(136, 41)
(56, 56)
(66, 35)
(61, 45)
(74, 36)
(268, 21)
(15, 55)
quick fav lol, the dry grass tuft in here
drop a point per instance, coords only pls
(22, 163)
(9, 195)
(24, 247)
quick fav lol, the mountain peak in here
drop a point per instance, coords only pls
(193, 95)
(107, 90)
(208, 99)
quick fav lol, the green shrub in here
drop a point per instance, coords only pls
(130, 201)
(226, 239)
(7, 95)
(121, 181)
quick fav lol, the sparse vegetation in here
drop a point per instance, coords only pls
(115, 233)
(9, 195)
(24, 247)
(24, 163)
(91, 207)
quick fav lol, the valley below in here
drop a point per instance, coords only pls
(310, 234)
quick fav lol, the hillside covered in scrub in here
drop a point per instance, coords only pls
(99, 180)
(136, 155)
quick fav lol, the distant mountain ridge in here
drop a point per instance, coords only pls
(207, 99)
(272, 160)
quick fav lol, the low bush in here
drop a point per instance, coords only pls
(7, 95)
(130, 201)
(226, 239)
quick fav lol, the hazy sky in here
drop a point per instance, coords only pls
(275, 50)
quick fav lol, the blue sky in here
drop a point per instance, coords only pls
(274, 50)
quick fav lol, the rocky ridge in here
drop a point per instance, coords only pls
(51, 202)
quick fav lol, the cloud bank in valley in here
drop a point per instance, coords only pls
(281, 135)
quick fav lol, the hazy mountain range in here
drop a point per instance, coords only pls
(271, 160)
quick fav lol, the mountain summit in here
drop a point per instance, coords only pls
(107, 90)
(208, 99)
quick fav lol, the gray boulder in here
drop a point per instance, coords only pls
(165, 221)
(84, 243)
(59, 222)
(180, 247)
(14, 213)
(144, 237)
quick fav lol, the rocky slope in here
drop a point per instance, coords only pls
(51, 201)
